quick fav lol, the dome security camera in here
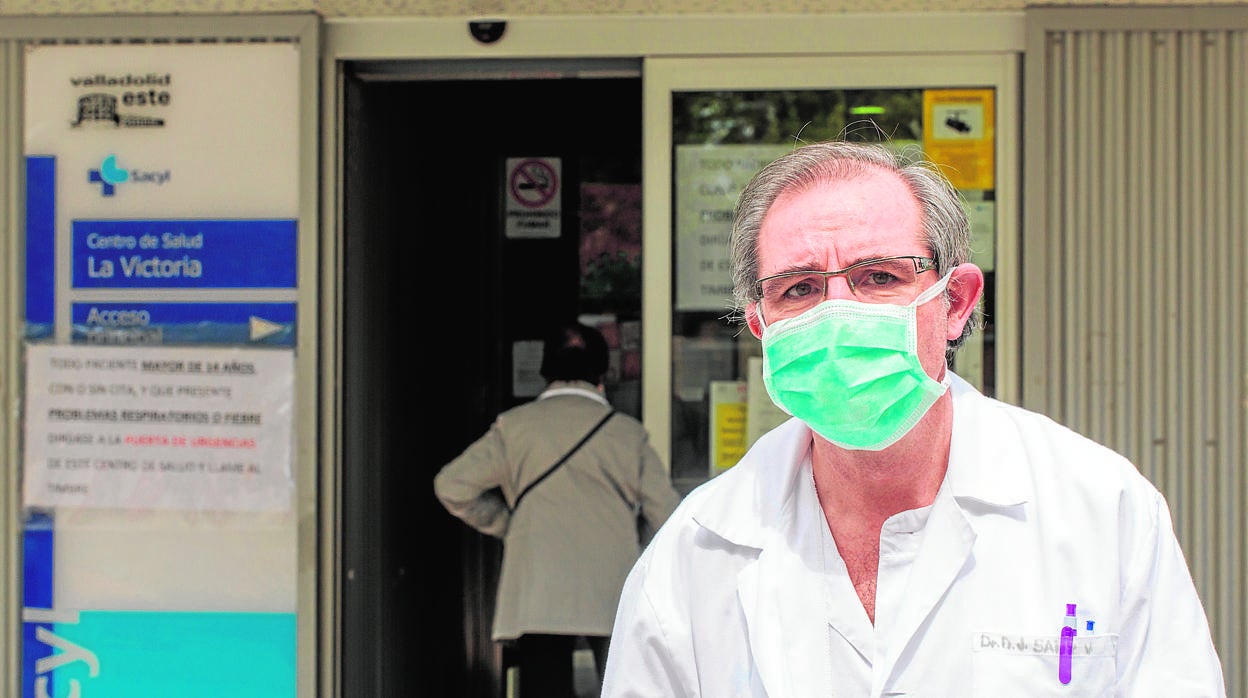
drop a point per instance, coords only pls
(487, 31)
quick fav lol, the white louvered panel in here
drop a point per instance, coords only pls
(1099, 287)
(1070, 269)
(1169, 412)
(1208, 80)
(1234, 548)
(1083, 194)
(1121, 313)
(1141, 274)
(1185, 466)
(1160, 195)
(1053, 238)
(1232, 363)
(1146, 176)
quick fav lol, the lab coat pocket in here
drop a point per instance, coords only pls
(1005, 664)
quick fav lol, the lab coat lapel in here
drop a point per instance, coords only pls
(763, 623)
(945, 550)
(985, 466)
(784, 595)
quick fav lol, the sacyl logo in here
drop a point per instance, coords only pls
(109, 175)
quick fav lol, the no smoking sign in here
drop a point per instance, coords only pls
(533, 186)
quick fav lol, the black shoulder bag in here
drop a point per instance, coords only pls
(559, 462)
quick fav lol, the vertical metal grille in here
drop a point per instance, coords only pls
(1138, 240)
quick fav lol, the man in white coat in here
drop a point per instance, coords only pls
(902, 534)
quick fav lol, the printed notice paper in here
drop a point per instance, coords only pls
(708, 181)
(201, 429)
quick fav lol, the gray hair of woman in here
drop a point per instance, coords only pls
(946, 231)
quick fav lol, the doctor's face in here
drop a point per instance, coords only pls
(834, 224)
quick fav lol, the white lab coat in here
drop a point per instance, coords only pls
(743, 592)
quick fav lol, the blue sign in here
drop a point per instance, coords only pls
(37, 590)
(184, 323)
(40, 245)
(184, 253)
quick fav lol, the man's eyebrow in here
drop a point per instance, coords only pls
(796, 268)
(811, 266)
(867, 257)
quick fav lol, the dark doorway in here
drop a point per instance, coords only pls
(435, 296)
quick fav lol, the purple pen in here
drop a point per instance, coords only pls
(1066, 648)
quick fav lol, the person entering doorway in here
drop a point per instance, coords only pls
(564, 481)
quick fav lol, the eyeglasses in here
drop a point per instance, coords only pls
(885, 280)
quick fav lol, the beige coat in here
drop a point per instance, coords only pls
(568, 548)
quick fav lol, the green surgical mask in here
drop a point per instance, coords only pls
(851, 370)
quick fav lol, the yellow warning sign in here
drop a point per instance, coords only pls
(959, 135)
(728, 415)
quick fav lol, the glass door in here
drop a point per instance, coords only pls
(710, 125)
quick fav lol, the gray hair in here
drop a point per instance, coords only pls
(945, 229)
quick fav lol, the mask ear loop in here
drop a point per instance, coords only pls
(934, 290)
(928, 294)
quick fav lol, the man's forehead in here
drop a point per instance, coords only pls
(839, 223)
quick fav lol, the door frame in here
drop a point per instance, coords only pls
(387, 615)
(667, 75)
(702, 41)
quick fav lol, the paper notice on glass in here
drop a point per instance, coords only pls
(526, 367)
(698, 360)
(762, 415)
(708, 181)
(982, 217)
(203, 429)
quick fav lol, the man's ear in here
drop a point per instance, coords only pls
(966, 285)
(753, 321)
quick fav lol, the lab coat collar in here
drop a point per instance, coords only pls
(757, 493)
(987, 462)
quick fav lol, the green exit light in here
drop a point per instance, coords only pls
(863, 111)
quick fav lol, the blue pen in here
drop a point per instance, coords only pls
(1067, 646)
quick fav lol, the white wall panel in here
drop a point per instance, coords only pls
(1134, 249)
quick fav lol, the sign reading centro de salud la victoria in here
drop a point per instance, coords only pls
(156, 170)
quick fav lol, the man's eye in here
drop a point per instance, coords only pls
(878, 277)
(802, 288)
